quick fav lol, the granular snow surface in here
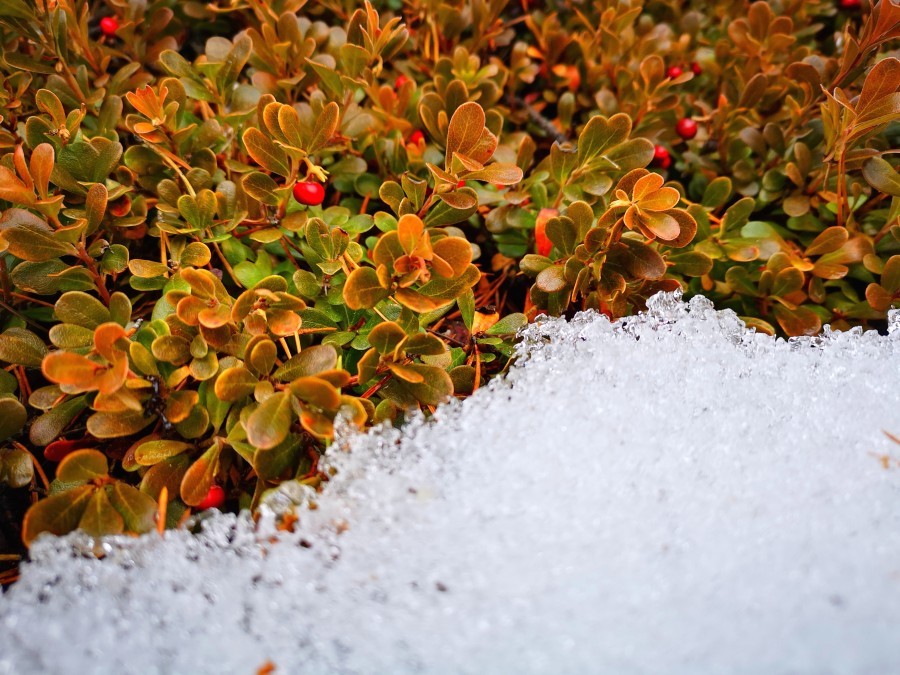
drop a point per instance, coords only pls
(666, 494)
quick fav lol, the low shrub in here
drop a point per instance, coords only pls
(212, 246)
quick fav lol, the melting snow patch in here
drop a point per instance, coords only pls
(668, 493)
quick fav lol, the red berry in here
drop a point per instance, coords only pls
(695, 68)
(686, 128)
(542, 243)
(850, 4)
(660, 153)
(661, 158)
(309, 193)
(213, 499)
(674, 71)
(416, 137)
(400, 81)
(109, 25)
(460, 184)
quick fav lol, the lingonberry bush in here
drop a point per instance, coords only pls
(226, 223)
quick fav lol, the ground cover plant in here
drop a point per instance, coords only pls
(225, 224)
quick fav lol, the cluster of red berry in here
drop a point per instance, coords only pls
(685, 127)
(677, 70)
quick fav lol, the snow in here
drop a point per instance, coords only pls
(669, 493)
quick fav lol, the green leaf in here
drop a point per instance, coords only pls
(48, 427)
(269, 424)
(633, 154)
(168, 474)
(116, 424)
(738, 214)
(717, 192)
(601, 133)
(22, 347)
(81, 309)
(363, 290)
(235, 383)
(436, 386)
(265, 153)
(200, 476)
(691, 263)
(562, 234)
(326, 126)
(552, 279)
(153, 452)
(198, 211)
(12, 417)
(58, 514)
(386, 336)
(311, 361)
(137, 509)
(466, 304)
(562, 161)
(81, 466)
(261, 187)
(29, 238)
(508, 325)
(100, 518)
(881, 176)
(273, 462)
(16, 468)
(787, 281)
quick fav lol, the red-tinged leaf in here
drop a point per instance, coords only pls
(153, 452)
(316, 392)
(235, 383)
(100, 518)
(552, 279)
(41, 165)
(270, 423)
(82, 466)
(137, 509)
(435, 388)
(22, 347)
(406, 373)
(200, 476)
(169, 474)
(465, 128)
(311, 361)
(798, 321)
(456, 252)
(879, 297)
(117, 424)
(76, 372)
(363, 290)
(317, 424)
(51, 424)
(499, 174)
(830, 239)
(890, 275)
(265, 153)
(12, 189)
(58, 514)
(57, 450)
(30, 238)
